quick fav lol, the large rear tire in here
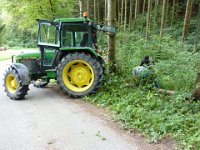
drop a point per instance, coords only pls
(79, 74)
(13, 85)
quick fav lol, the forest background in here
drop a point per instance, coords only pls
(166, 30)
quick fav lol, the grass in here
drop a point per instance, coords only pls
(4, 55)
(20, 48)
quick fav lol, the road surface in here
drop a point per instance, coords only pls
(47, 120)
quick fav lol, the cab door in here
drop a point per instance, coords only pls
(48, 34)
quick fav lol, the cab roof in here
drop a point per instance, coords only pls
(72, 20)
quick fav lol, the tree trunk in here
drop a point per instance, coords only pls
(187, 20)
(122, 12)
(119, 13)
(198, 29)
(136, 8)
(166, 92)
(155, 14)
(125, 16)
(98, 10)
(105, 17)
(143, 7)
(148, 21)
(162, 19)
(166, 13)
(143, 10)
(95, 11)
(173, 12)
(88, 7)
(81, 8)
(111, 37)
(130, 15)
(196, 90)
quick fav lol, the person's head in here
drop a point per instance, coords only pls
(85, 35)
(146, 57)
(94, 33)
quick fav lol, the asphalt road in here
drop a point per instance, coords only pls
(47, 120)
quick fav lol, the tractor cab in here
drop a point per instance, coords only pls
(65, 33)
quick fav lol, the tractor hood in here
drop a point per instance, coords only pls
(33, 55)
(29, 55)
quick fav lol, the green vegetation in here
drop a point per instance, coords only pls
(4, 55)
(141, 107)
(161, 29)
(19, 19)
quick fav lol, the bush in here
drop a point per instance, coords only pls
(176, 68)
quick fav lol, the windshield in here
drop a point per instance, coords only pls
(48, 34)
(74, 35)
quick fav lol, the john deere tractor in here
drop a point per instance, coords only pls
(76, 65)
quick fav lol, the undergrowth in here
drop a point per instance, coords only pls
(141, 107)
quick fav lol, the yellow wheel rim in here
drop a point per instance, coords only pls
(11, 83)
(78, 76)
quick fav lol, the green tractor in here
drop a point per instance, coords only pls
(67, 54)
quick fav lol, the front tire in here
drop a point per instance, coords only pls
(79, 74)
(13, 85)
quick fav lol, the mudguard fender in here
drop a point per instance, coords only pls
(23, 73)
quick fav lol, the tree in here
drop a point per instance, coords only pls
(88, 6)
(143, 7)
(122, 11)
(125, 16)
(95, 11)
(136, 8)
(81, 8)
(187, 20)
(105, 12)
(173, 12)
(111, 37)
(98, 11)
(130, 15)
(197, 28)
(166, 13)
(162, 19)
(156, 5)
(27, 12)
(143, 11)
(119, 13)
(148, 20)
